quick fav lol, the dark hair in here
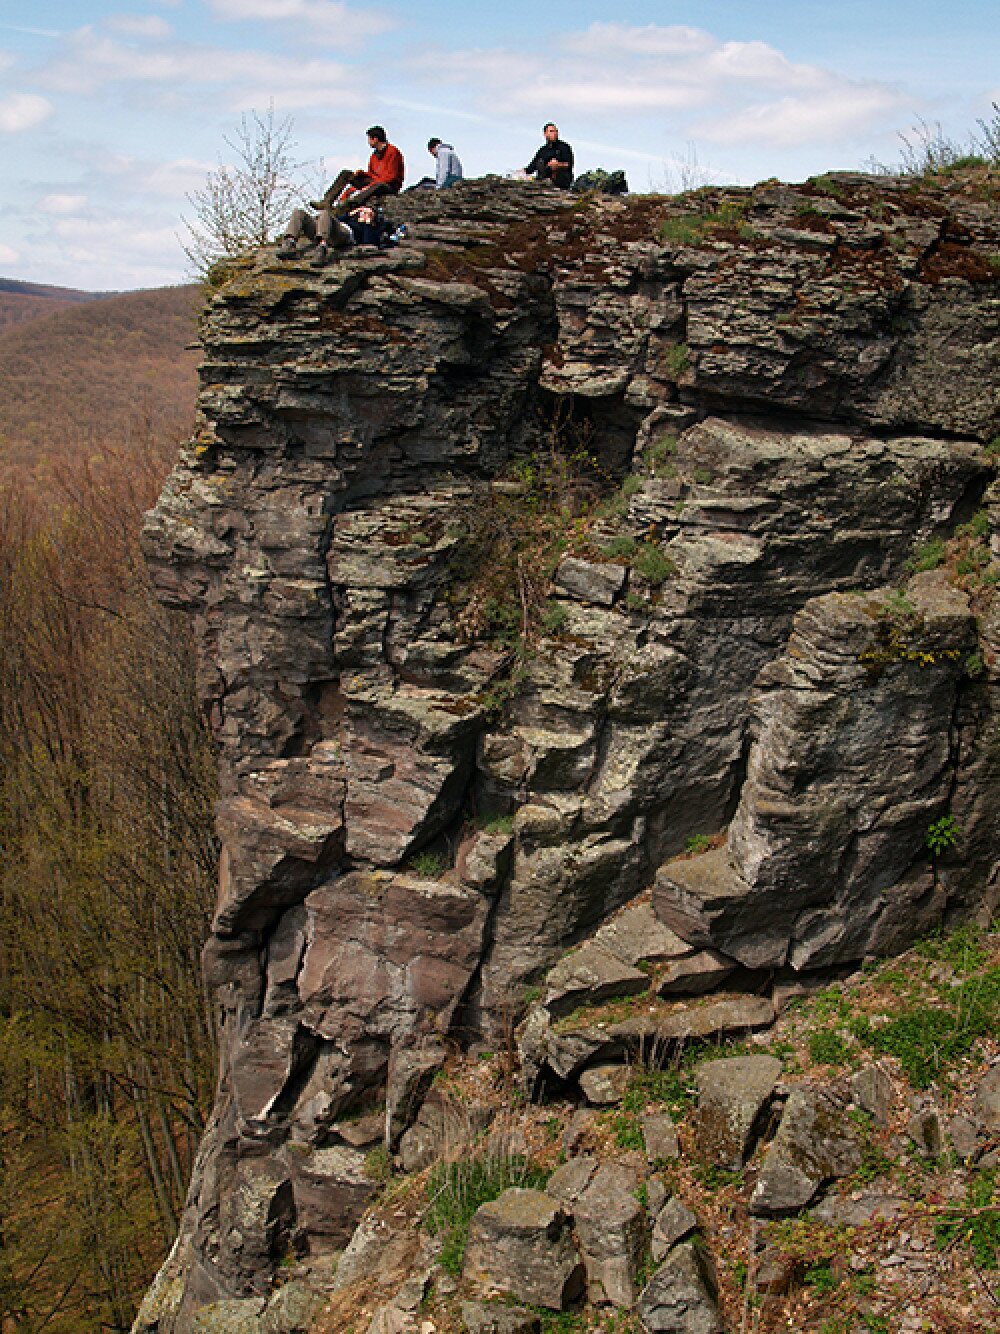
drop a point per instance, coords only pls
(432, 144)
(377, 132)
(547, 124)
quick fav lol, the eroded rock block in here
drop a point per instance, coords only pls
(815, 1143)
(521, 1244)
(732, 1096)
(680, 1298)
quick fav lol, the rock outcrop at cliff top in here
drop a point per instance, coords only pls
(429, 793)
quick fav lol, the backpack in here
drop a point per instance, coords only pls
(601, 182)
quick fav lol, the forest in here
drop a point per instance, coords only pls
(107, 851)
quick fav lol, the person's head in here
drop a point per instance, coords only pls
(551, 132)
(432, 146)
(377, 136)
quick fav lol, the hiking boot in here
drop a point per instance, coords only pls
(321, 256)
(287, 248)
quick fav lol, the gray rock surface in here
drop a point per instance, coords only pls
(491, 1318)
(733, 1095)
(988, 1099)
(680, 1297)
(659, 1135)
(613, 1232)
(604, 1085)
(521, 1245)
(815, 1143)
(673, 1223)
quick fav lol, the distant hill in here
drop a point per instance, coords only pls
(26, 301)
(82, 372)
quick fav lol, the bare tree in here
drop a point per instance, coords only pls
(243, 204)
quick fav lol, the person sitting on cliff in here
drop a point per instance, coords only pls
(554, 160)
(383, 177)
(351, 190)
(447, 167)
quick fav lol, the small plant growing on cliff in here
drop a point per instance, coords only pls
(928, 557)
(941, 835)
(697, 844)
(427, 864)
(652, 566)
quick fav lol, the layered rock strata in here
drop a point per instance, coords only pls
(783, 393)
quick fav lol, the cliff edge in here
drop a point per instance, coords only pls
(570, 551)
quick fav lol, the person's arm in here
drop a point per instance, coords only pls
(440, 168)
(537, 162)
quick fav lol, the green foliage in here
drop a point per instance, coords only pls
(626, 1129)
(620, 547)
(455, 1190)
(978, 1224)
(927, 1039)
(378, 1164)
(992, 448)
(652, 566)
(554, 618)
(429, 865)
(698, 843)
(660, 451)
(928, 557)
(714, 1178)
(828, 1047)
(977, 527)
(963, 949)
(703, 476)
(821, 1278)
(669, 1088)
(941, 835)
(678, 358)
(688, 229)
(975, 665)
(499, 824)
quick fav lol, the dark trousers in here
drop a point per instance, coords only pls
(363, 183)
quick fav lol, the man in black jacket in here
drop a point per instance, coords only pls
(553, 161)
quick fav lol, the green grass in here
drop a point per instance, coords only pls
(827, 1047)
(652, 566)
(979, 1223)
(499, 824)
(931, 1036)
(928, 557)
(669, 1088)
(429, 865)
(620, 548)
(456, 1190)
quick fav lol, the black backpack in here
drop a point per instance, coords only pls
(601, 182)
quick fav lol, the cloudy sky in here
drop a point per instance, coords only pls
(110, 113)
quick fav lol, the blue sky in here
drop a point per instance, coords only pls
(110, 113)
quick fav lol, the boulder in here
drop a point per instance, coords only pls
(871, 1088)
(613, 1234)
(659, 1135)
(229, 1317)
(988, 1099)
(491, 1318)
(605, 1085)
(733, 1095)
(589, 582)
(292, 1308)
(520, 1245)
(673, 1223)
(681, 1296)
(588, 976)
(815, 1143)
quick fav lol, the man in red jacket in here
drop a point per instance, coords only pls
(383, 177)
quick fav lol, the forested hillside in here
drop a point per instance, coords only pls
(88, 372)
(27, 301)
(107, 856)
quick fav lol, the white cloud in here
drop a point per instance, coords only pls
(61, 204)
(755, 93)
(7, 255)
(825, 116)
(140, 25)
(246, 78)
(329, 20)
(23, 111)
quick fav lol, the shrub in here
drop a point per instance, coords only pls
(928, 557)
(698, 843)
(554, 618)
(828, 1047)
(429, 865)
(620, 548)
(652, 565)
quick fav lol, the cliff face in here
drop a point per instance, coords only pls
(523, 557)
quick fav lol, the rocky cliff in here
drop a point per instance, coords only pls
(569, 551)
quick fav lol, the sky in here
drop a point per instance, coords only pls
(112, 114)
